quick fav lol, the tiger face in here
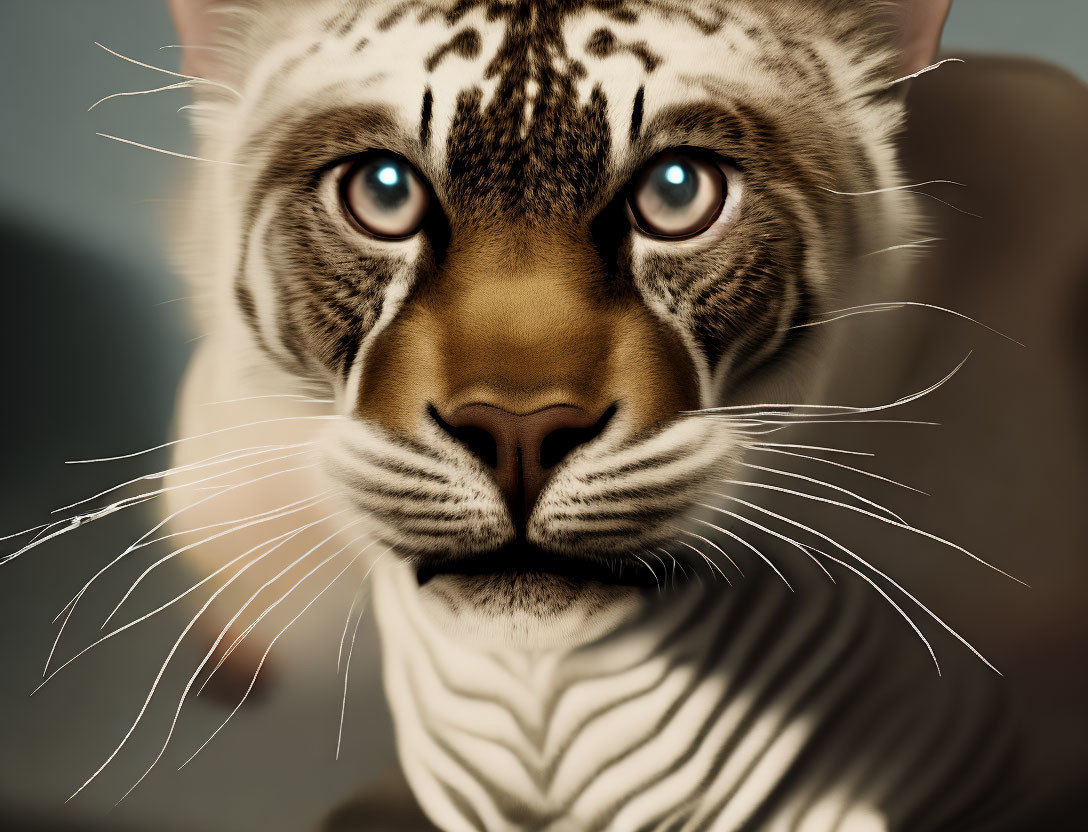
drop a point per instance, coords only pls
(523, 241)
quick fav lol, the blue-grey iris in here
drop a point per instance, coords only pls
(677, 194)
(385, 195)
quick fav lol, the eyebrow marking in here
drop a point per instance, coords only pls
(425, 118)
(636, 113)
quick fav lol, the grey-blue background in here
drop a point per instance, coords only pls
(90, 354)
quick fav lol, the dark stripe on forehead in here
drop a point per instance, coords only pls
(425, 118)
(637, 113)
(465, 44)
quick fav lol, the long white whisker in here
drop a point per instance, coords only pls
(260, 664)
(882, 519)
(924, 70)
(162, 671)
(876, 571)
(195, 78)
(783, 537)
(179, 86)
(140, 543)
(264, 613)
(758, 447)
(190, 546)
(294, 396)
(706, 558)
(809, 448)
(223, 632)
(322, 417)
(892, 306)
(174, 153)
(814, 481)
(138, 499)
(913, 244)
(218, 459)
(903, 613)
(895, 188)
(711, 543)
(762, 410)
(347, 666)
(744, 543)
(279, 540)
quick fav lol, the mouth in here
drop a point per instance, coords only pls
(521, 562)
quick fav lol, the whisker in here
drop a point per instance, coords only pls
(295, 396)
(179, 86)
(882, 519)
(913, 244)
(878, 572)
(264, 613)
(190, 546)
(170, 152)
(809, 448)
(321, 417)
(814, 481)
(891, 306)
(895, 188)
(158, 492)
(757, 447)
(744, 543)
(780, 536)
(347, 666)
(260, 664)
(218, 459)
(924, 70)
(279, 541)
(162, 672)
(706, 558)
(709, 542)
(195, 78)
(762, 410)
(142, 541)
(211, 652)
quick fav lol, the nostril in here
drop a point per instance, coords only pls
(561, 441)
(479, 441)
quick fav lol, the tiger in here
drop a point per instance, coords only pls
(508, 285)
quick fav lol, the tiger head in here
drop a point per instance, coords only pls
(523, 242)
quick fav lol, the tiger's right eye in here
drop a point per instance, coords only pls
(385, 196)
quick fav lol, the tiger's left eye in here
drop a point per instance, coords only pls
(385, 196)
(677, 195)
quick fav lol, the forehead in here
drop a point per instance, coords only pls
(532, 101)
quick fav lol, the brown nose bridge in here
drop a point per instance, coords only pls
(525, 338)
(525, 324)
(523, 448)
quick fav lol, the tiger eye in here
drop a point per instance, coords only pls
(385, 196)
(677, 195)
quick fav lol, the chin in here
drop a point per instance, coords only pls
(523, 598)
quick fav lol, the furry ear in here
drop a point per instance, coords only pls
(197, 22)
(919, 23)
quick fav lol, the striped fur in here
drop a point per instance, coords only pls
(553, 704)
(753, 710)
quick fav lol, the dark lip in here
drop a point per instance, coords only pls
(524, 560)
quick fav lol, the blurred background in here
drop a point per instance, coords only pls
(94, 333)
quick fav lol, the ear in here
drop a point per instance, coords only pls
(919, 23)
(197, 22)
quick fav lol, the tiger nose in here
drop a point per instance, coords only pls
(522, 449)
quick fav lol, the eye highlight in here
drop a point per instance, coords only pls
(677, 194)
(385, 196)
